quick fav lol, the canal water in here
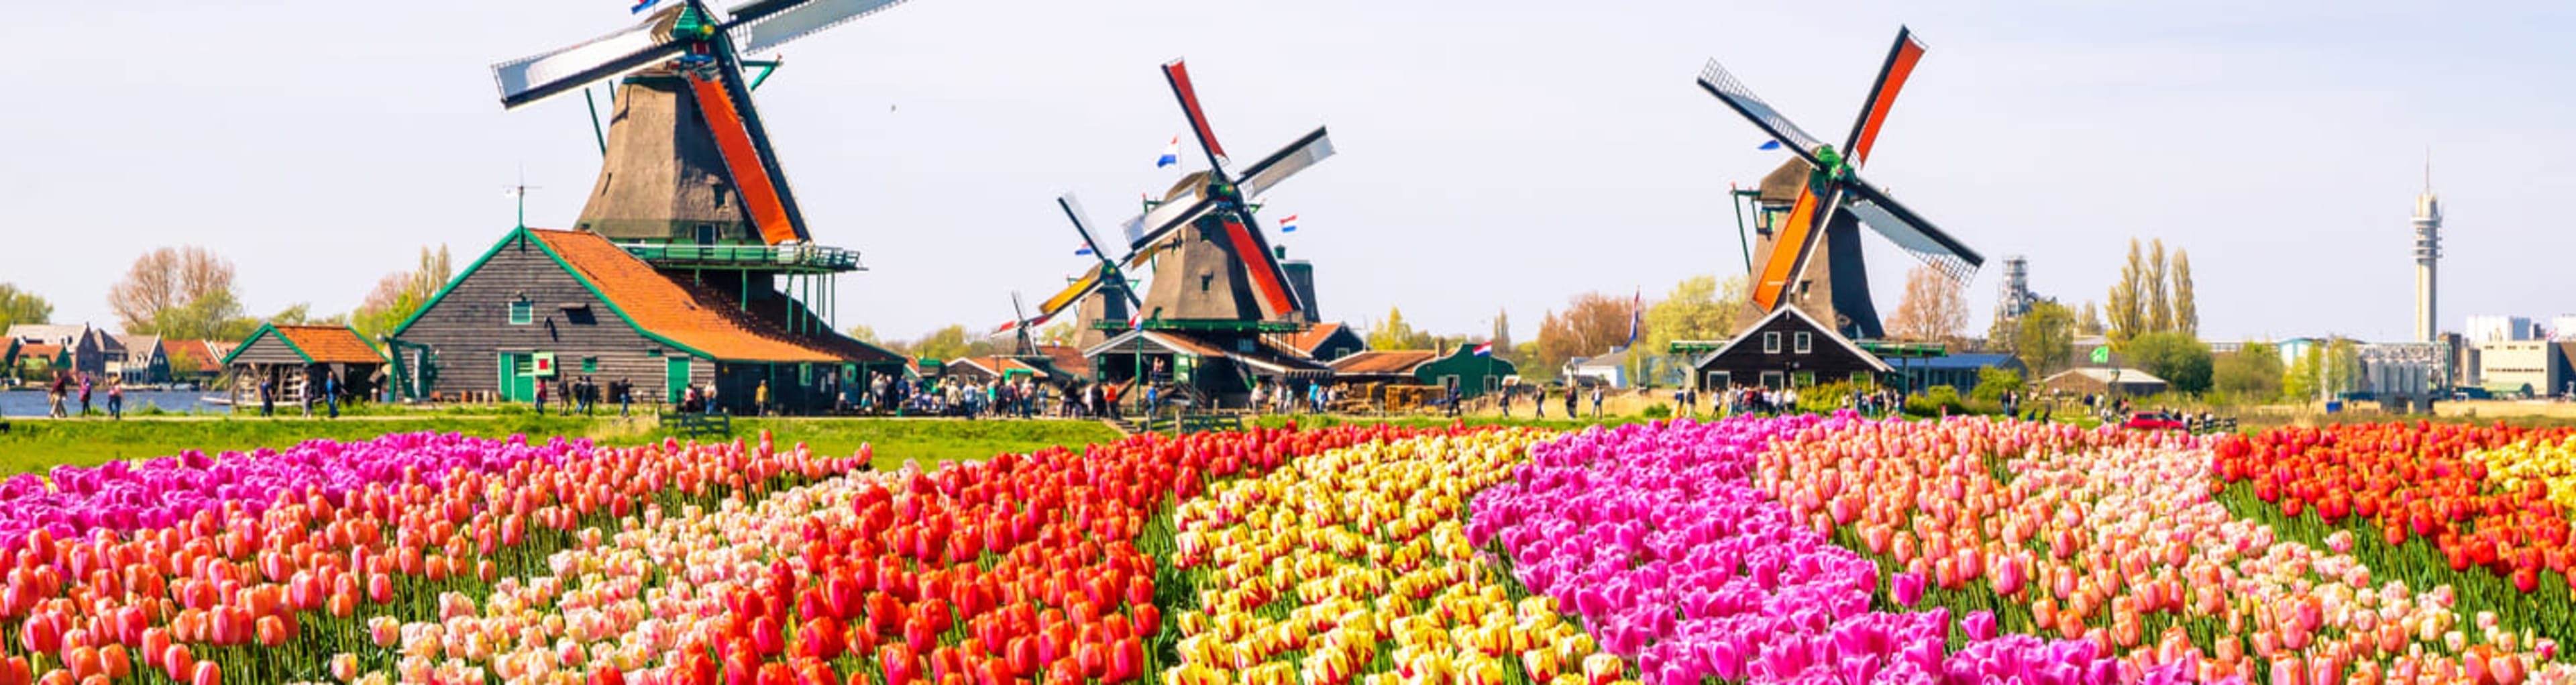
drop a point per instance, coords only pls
(33, 403)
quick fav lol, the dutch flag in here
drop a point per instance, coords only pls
(1485, 350)
(1171, 154)
(1770, 145)
(1288, 225)
(1083, 251)
(641, 5)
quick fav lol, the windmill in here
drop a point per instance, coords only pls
(1810, 255)
(1218, 267)
(1103, 292)
(687, 159)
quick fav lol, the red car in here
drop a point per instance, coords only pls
(2153, 421)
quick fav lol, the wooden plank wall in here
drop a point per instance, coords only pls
(470, 328)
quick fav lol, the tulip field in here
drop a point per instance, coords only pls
(1797, 549)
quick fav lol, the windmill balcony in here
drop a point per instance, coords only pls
(779, 258)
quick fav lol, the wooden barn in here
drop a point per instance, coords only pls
(550, 306)
(1787, 349)
(294, 361)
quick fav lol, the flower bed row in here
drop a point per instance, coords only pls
(261, 581)
(2113, 537)
(1658, 538)
(1354, 566)
(2471, 507)
(1024, 568)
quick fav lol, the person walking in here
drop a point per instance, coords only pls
(1596, 403)
(84, 394)
(625, 391)
(1571, 392)
(267, 396)
(541, 397)
(61, 389)
(760, 398)
(710, 394)
(116, 398)
(331, 393)
(1538, 401)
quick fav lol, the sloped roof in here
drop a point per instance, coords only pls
(2104, 376)
(326, 344)
(1170, 340)
(998, 366)
(1826, 331)
(690, 317)
(1383, 361)
(1314, 336)
(1068, 359)
(208, 354)
(53, 334)
(39, 351)
(1614, 359)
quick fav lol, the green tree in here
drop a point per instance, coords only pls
(1992, 382)
(2045, 340)
(864, 333)
(2088, 321)
(2300, 384)
(213, 315)
(1698, 308)
(945, 344)
(2183, 361)
(2186, 312)
(2252, 372)
(2126, 308)
(2159, 304)
(19, 306)
(401, 294)
(1502, 338)
(1395, 334)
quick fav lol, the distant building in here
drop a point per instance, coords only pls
(143, 360)
(1963, 372)
(2498, 328)
(1325, 342)
(2525, 367)
(2113, 381)
(85, 349)
(1609, 369)
(2428, 255)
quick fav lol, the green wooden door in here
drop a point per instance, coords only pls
(675, 378)
(518, 376)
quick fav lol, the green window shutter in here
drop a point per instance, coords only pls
(590, 365)
(523, 313)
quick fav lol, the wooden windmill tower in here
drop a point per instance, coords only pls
(1812, 208)
(689, 181)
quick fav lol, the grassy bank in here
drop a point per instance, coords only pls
(40, 445)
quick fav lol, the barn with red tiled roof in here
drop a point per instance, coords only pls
(554, 307)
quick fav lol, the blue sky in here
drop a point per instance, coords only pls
(1493, 155)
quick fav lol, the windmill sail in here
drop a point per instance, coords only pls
(1306, 152)
(1718, 82)
(530, 79)
(762, 26)
(1910, 231)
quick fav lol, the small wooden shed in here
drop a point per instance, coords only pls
(295, 360)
